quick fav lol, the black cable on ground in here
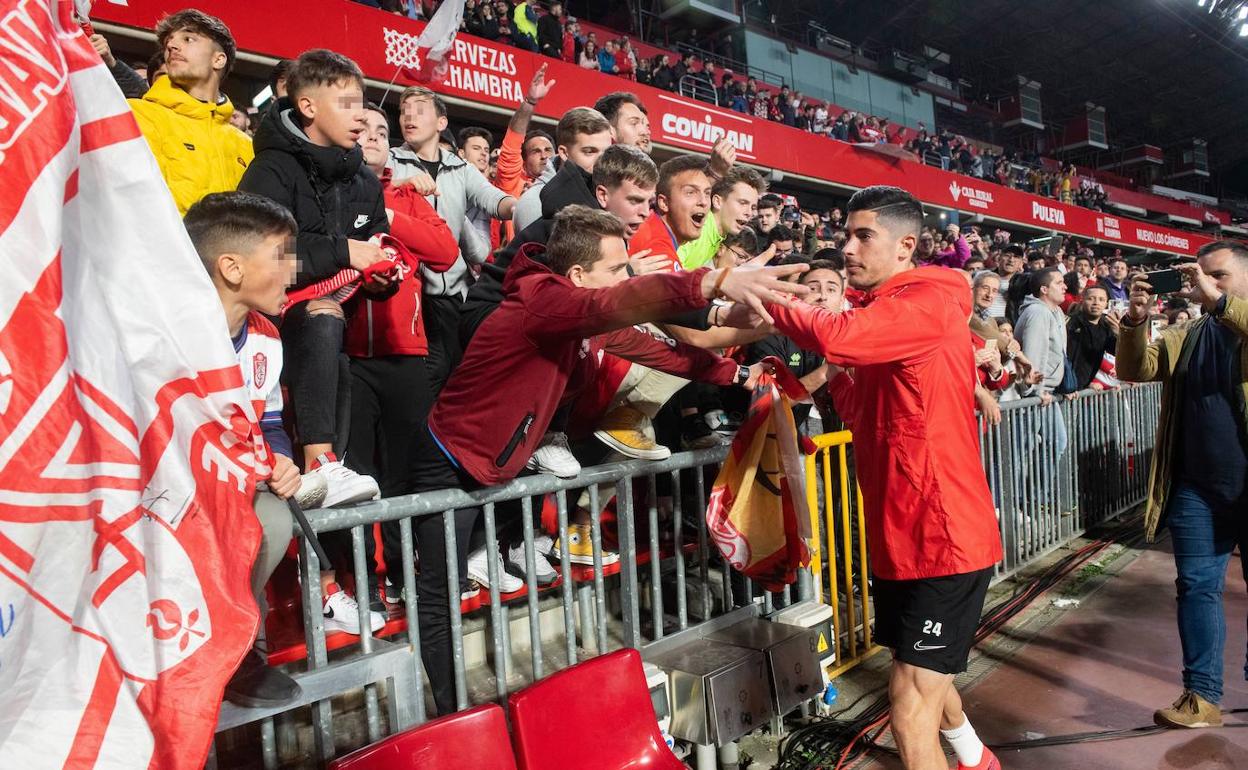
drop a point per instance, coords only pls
(834, 743)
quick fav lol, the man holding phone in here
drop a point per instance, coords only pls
(1198, 483)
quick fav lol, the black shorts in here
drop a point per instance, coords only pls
(931, 622)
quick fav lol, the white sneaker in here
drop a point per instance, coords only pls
(544, 573)
(479, 570)
(312, 491)
(342, 613)
(553, 456)
(343, 485)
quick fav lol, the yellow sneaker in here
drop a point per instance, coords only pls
(581, 547)
(628, 431)
(1190, 710)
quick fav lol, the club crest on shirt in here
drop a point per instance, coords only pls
(259, 369)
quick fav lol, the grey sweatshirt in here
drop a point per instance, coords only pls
(460, 186)
(1041, 331)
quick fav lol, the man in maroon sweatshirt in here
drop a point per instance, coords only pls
(499, 401)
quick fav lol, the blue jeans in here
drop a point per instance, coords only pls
(1203, 542)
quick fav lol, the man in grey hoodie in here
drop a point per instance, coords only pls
(1041, 330)
(459, 185)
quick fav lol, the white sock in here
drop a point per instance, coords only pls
(965, 743)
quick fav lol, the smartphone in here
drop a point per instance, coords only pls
(1119, 305)
(1165, 281)
(990, 344)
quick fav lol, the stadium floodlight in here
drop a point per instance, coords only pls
(1200, 3)
(1243, 30)
(1243, 12)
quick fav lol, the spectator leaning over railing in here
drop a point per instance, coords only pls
(1198, 482)
(933, 534)
(538, 336)
(185, 117)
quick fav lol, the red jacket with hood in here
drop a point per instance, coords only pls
(393, 327)
(499, 400)
(911, 406)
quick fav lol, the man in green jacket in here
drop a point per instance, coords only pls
(1199, 478)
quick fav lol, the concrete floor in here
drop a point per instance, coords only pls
(1108, 664)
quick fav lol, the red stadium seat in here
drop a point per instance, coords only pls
(605, 704)
(476, 738)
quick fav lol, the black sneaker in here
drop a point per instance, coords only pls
(375, 593)
(696, 434)
(256, 685)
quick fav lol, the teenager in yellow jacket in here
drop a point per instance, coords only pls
(185, 117)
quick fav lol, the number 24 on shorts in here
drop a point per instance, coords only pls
(931, 628)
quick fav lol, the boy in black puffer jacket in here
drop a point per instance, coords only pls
(308, 160)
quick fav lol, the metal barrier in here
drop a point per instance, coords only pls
(1047, 490)
(659, 585)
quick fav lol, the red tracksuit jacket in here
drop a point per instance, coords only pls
(911, 407)
(499, 400)
(393, 327)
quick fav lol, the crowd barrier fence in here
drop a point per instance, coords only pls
(654, 576)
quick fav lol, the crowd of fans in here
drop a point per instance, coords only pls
(422, 267)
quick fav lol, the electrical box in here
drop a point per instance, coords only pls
(719, 692)
(816, 616)
(791, 654)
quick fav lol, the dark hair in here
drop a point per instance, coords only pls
(1084, 257)
(279, 72)
(823, 264)
(471, 132)
(233, 222)
(1095, 287)
(833, 257)
(1014, 250)
(622, 162)
(536, 133)
(1035, 254)
(200, 23)
(899, 211)
(676, 166)
(447, 138)
(156, 62)
(1237, 249)
(321, 67)
(768, 202)
(1040, 278)
(739, 175)
(746, 240)
(577, 121)
(577, 237)
(781, 233)
(610, 104)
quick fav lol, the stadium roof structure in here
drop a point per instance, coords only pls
(1166, 71)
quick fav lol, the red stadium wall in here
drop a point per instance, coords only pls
(497, 74)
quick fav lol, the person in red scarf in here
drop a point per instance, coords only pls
(390, 390)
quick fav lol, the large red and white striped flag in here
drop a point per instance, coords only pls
(128, 451)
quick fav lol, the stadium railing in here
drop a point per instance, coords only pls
(668, 581)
